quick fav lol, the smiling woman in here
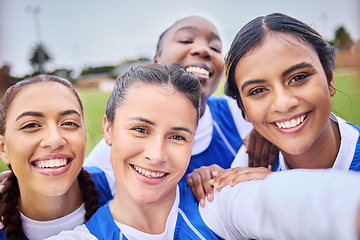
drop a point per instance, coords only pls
(288, 98)
(42, 140)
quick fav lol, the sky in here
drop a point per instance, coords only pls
(90, 33)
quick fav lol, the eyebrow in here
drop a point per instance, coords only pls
(286, 72)
(247, 83)
(39, 114)
(296, 67)
(196, 29)
(153, 124)
(30, 113)
(69, 112)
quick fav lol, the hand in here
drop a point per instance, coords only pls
(198, 181)
(233, 176)
(3, 178)
(262, 153)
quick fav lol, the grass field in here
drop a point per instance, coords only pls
(346, 104)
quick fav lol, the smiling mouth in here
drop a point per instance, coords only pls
(198, 70)
(292, 123)
(148, 174)
(51, 163)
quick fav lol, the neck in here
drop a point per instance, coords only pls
(321, 154)
(146, 217)
(46, 208)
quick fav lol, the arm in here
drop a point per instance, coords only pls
(295, 204)
(262, 153)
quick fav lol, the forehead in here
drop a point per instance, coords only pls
(160, 102)
(278, 48)
(195, 24)
(38, 96)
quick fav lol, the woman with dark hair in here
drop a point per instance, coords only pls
(42, 140)
(280, 71)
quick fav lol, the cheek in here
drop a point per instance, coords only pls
(171, 53)
(182, 157)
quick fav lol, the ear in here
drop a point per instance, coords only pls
(246, 117)
(332, 87)
(106, 130)
(3, 153)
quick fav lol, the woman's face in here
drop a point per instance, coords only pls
(285, 92)
(44, 139)
(151, 137)
(194, 43)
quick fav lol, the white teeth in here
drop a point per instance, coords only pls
(292, 123)
(53, 163)
(198, 70)
(148, 174)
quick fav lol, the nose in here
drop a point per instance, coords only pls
(201, 49)
(283, 100)
(155, 150)
(53, 138)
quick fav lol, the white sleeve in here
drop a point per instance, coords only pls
(241, 158)
(244, 127)
(294, 204)
(79, 233)
(100, 157)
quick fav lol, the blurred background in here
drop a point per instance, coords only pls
(91, 42)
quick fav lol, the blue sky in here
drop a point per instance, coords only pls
(83, 33)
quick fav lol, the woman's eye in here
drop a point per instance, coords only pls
(30, 126)
(70, 124)
(186, 41)
(140, 130)
(257, 91)
(298, 78)
(178, 138)
(215, 49)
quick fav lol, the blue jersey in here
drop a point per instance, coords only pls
(225, 141)
(101, 185)
(189, 224)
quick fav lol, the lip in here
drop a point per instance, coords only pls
(292, 129)
(52, 171)
(147, 180)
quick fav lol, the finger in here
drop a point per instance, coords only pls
(258, 152)
(252, 174)
(225, 178)
(251, 149)
(195, 184)
(274, 153)
(265, 155)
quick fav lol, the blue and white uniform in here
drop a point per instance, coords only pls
(348, 157)
(184, 222)
(218, 138)
(39, 230)
(294, 204)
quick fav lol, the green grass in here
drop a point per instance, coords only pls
(94, 109)
(346, 104)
